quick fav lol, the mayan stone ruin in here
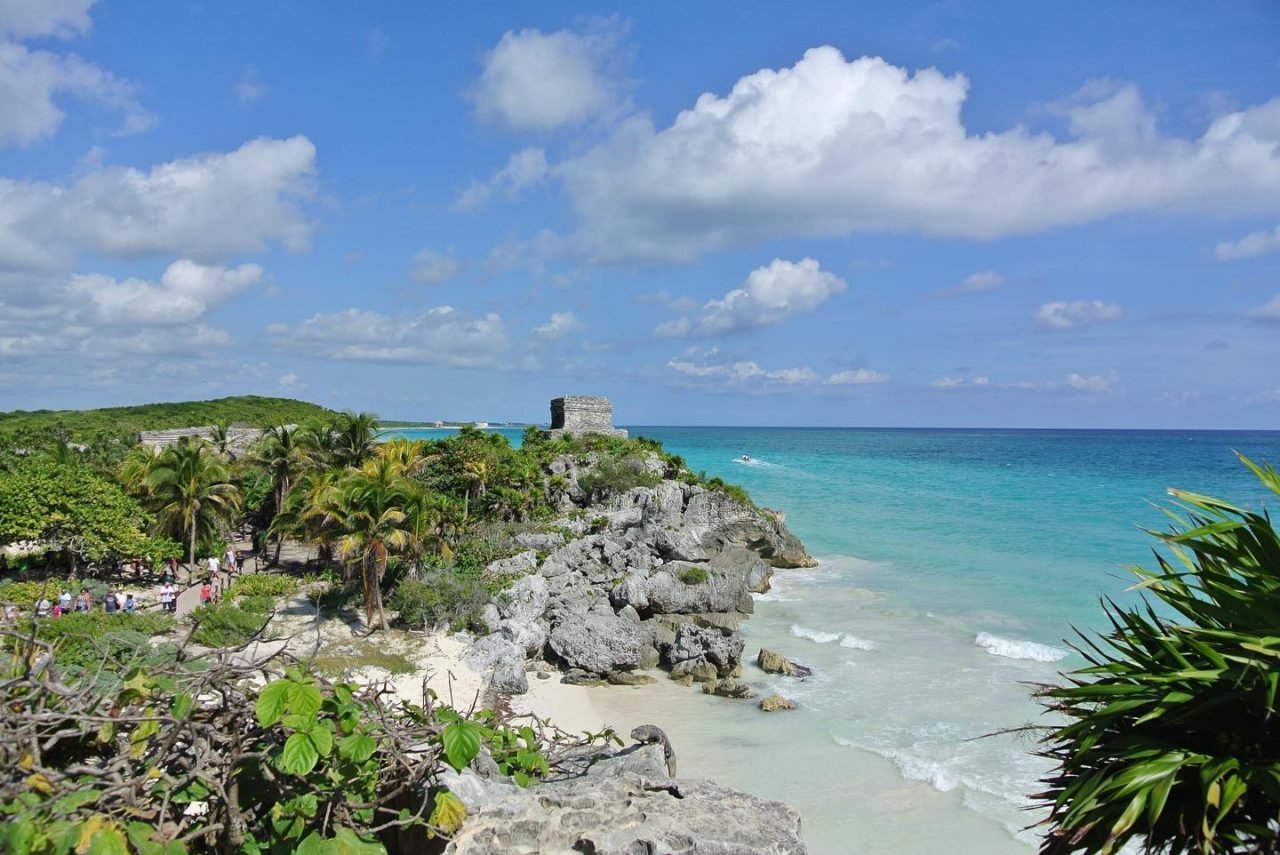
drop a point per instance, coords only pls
(579, 414)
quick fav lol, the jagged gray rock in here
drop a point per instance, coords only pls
(728, 688)
(502, 660)
(520, 564)
(598, 643)
(621, 814)
(540, 540)
(696, 645)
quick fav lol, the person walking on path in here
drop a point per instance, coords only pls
(206, 592)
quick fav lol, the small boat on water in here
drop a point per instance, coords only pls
(746, 458)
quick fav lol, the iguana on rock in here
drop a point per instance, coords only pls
(651, 734)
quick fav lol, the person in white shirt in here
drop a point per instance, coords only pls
(213, 566)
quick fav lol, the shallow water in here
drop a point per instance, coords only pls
(953, 565)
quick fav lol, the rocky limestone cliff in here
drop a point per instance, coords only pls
(653, 575)
(625, 804)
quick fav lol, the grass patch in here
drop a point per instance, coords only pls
(89, 639)
(692, 575)
(230, 624)
(263, 585)
(358, 655)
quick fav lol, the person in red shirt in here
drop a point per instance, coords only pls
(206, 593)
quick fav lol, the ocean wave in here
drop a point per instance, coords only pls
(815, 635)
(1015, 649)
(773, 598)
(855, 643)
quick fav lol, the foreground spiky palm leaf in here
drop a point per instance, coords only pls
(1172, 739)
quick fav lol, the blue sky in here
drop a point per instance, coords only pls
(941, 214)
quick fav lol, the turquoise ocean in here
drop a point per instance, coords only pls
(952, 566)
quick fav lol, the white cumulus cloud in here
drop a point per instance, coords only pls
(184, 294)
(743, 373)
(539, 81)
(832, 146)
(249, 88)
(433, 268)
(986, 280)
(769, 295)
(207, 207)
(856, 377)
(1095, 383)
(61, 19)
(1063, 315)
(524, 169)
(32, 86)
(439, 336)
(559, 324)
(1252, 244)
(1268, 312)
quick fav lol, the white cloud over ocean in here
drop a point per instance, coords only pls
(438, 336)
(831, 146)
(769, 295)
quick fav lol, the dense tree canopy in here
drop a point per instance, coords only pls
(72, 509)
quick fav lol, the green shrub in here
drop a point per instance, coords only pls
(692, 575)
(228, 624)
(441, 598)
(25, 593)
(84, 640)
(263, 585)
(614, 476)
(1170, 735)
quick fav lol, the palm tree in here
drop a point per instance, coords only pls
(284, 457)
(189, 489)
(220, 438)
(1172, 737)
(357, 438)
(375, 524)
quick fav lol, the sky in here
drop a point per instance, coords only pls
(952, 214)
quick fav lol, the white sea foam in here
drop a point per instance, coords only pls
(816, 635)
(773, 598)
(855, 643)
(1014, 649)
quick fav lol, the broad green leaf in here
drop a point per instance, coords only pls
(108, 841)
(322, 737)
(272, 702)
(304, 699)
(312, 844)
(299, 755)
(461, 743)
(347, 842)
(76, 799)
(358, 747)
(181, 705)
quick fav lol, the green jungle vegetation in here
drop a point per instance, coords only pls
(114, 739)
(1172, 738)
(111, 431)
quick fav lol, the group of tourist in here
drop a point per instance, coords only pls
(65, 603)
(120, 602)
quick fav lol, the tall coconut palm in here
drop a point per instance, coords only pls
(220, 438)
(284, 457)
(375, 524)
(189, 489)
(357, 438)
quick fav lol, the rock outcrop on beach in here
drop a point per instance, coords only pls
(653, 575)
(620, 804)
